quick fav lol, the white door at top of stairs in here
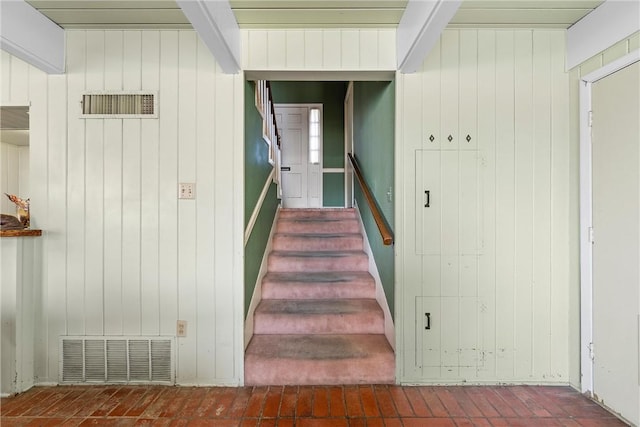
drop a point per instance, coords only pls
(301, 164)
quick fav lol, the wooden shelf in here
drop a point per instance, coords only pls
(20, 233)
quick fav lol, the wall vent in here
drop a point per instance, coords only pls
(116, 359)
(119, 105)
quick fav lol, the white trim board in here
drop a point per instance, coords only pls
(257, 290)
(32, 37)
(312, 76)
(258, 207)
(611, 22)
(420, 28)
(586, 216)
(348, 146)
(217, 27)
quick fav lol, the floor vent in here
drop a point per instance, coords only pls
(119, 105)
(88, 359)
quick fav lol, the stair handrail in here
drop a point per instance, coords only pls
(383, 227)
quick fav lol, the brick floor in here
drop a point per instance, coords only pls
(305, 406)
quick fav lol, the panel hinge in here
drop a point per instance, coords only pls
(591, 354)
(590, 118)
(591, 235)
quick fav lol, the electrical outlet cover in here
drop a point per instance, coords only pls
(181, 328)
(187, 190)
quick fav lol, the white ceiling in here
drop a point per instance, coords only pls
(312, 13)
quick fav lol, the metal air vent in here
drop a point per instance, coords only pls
(89, 359)
(119, 105)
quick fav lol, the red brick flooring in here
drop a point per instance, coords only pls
(303, 406)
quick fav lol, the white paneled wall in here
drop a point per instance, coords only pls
(319, 49)
(122, 255)
(14, 174)
(494, 272)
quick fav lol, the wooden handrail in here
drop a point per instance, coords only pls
(385, 231)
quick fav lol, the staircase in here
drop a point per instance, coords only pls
(318, 321)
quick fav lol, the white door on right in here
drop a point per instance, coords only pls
(616, 248)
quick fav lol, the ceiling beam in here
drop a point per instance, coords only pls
(31, 36)
(420, 27)
(216, 25)
(606, 25)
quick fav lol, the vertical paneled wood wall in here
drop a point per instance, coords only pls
(319, 49)
(489, 258)
(122, 255)
(14, 174)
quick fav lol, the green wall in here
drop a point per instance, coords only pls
(256, 153)
(331, 96)
(256, 171)
(374, 117)
(254, 249)
(333, 190)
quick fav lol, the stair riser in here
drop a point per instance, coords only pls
(307, 243)
(277, 263)
(319, 227)
(298, 291)
(317, 214)
(378, 370)
(357, 323)
(318, 322)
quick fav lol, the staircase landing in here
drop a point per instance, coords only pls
(319, 322)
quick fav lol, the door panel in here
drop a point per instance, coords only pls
(293, 184)
(469, 200)
(428, 333)
(292, 141)
(447, 217)
(428, 210)
(295, 140)
(301, 179)
(616, 248)
(445, 338)
(449, 196)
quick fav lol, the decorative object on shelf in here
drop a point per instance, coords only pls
(22, 210)
(10, 222)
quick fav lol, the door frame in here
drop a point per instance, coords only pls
(319, 106)
(348, 146)
(586, 216)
